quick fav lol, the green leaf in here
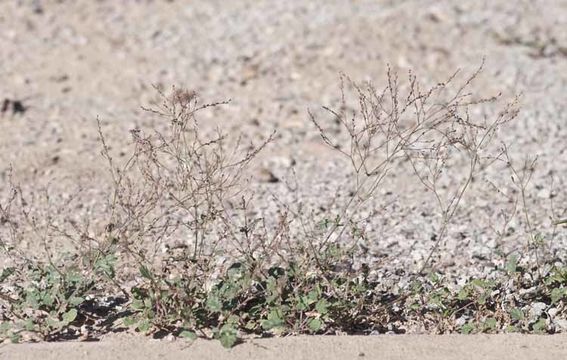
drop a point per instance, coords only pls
(512, 264)
(322, 306)
(540, 326)
(312, 296)
(69, 316)
(15, 338)
(48, 299)
(490, 324)
(189, 335)
(6, 273)
(106, 265)
(138, 305)
(5, 326)
(29, 325)
(76, 300)
(148, 303)
(233, 320)
(32, 299)
(269, 324)
(482, 298)
(463, 294)
(235, 271)
(517, 314)
(434, 278)
(315, 324)
(416, 286)
(557, 294)
(144, 326)
(145, 272)
(467, 328)
(213, 303)
(275, 319)
(74, 277)
(250, 325)
(129, 321)
(512, 329)
(228, 336)
(302, 303)
(483, 284)
(54, 323)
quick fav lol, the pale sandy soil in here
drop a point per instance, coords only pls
(70, 62)
(424, 347)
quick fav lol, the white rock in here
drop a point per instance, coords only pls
(537, 309)
(561, 324)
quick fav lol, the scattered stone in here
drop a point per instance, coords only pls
(12, 106)
(561, 324)
(536, 310)
(266, 176)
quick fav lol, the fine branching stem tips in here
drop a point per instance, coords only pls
(430, 128)
(177, 183)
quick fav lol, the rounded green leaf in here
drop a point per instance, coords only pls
(467, 328)
(517, 314)
(145, 272)
(315, 324)
(557, 294)
(129, 321)
(228, 336)
(76, 300)
(322, 306)
(70, 316)
(190, 335)
(144, 326)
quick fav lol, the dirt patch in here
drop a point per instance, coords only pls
(477, 347)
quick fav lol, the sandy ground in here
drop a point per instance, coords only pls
(69, 62)
(477, 347)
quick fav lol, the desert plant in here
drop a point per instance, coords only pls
(429, 129)
(45, 293)
(177, 184)
(46, 300)
(179, 215)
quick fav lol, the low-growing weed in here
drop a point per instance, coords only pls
(178, 214)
